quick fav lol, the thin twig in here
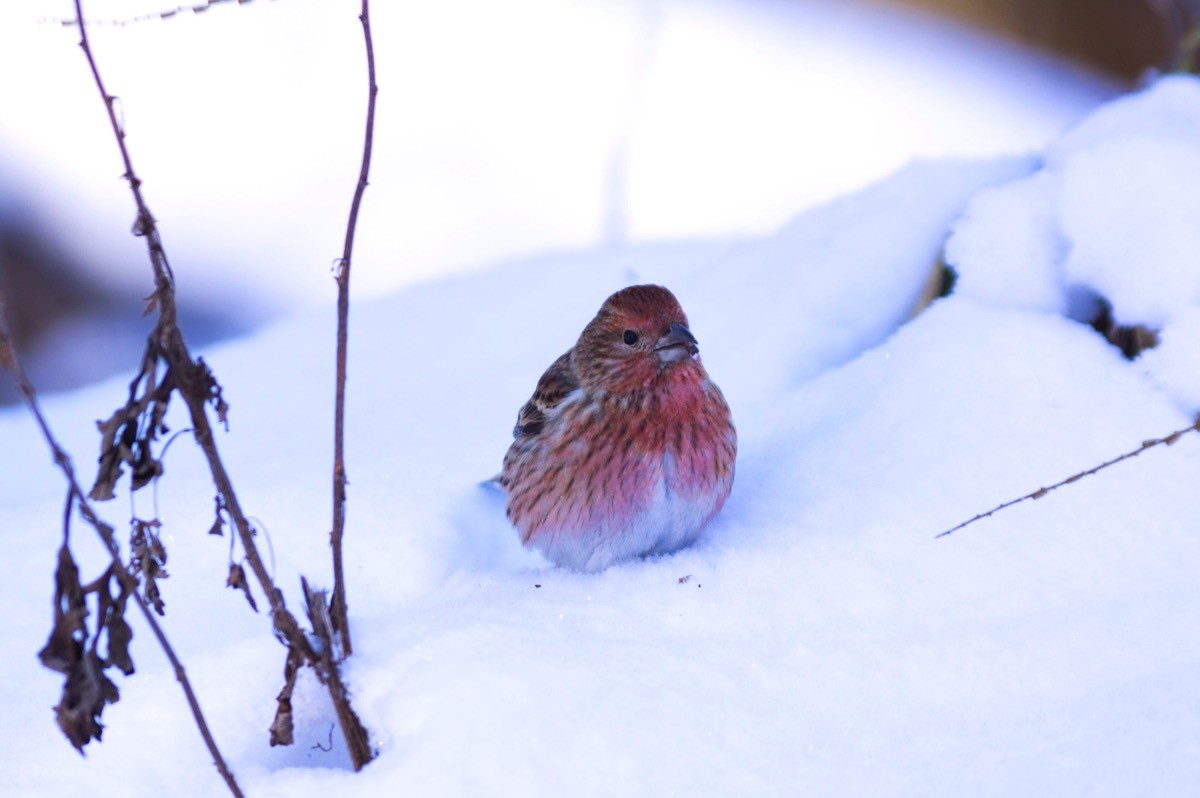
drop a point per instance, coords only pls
(1040, 492)
(196, 9)
(339, 609)
(8, 359)
(196, 385)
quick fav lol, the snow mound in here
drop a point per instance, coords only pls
(1110, 216)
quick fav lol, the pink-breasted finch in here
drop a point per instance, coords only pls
(627, 446)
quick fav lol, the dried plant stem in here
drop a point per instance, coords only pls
(339, 609)
(194, 8)
(1040, 492)
(8, 359)
(195, 385)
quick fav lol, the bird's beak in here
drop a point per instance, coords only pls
(677, 344)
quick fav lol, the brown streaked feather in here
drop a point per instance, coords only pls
(558, 381)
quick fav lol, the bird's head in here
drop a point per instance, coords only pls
(640, 334)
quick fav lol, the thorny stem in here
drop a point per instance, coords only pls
(8, 359)
(339, 609)
(193, 387)
(1040, 492)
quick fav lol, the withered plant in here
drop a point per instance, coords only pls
(73, 649)
(133, 438)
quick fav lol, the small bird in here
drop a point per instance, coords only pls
(627, 447)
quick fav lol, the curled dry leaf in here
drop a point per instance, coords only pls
(219, 522)
(64, 650)
(237, 581)
(148, 560)
(282, 725)
(86, 689)
(112, 454)
(145, 468)
(211, 392)
(127, 437)
(112, 621)
(119, 636)
(84, 696)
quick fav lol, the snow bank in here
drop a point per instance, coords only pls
(817, 640)
(1110, 216)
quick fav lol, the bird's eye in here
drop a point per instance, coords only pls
(631, 337)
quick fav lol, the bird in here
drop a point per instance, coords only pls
(627, 446)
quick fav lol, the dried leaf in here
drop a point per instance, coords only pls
(86, 689)
(119, 635)
(219, 521)
(281, 726)
(127, 437)
(147, 559)
(158, 550)
(145, 468)
(210, 391)
(237, 580)
(84, 696)
(109, 471)
(154, 597)
(64, 649)
(162, 400)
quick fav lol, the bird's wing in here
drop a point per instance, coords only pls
(558, 381)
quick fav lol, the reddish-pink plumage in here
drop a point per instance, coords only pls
(627, 447)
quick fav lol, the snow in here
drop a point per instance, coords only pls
(1172, 363)
(817, 639)
(1110, 215)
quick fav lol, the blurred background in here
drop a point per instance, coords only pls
(504, 130)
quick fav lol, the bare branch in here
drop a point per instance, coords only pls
(129, 583)
(195, 9)
(1040, 492)
(339, 608)
(198, 388)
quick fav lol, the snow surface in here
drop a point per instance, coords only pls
(503, 129)
(817, 640)
(1108, 216)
